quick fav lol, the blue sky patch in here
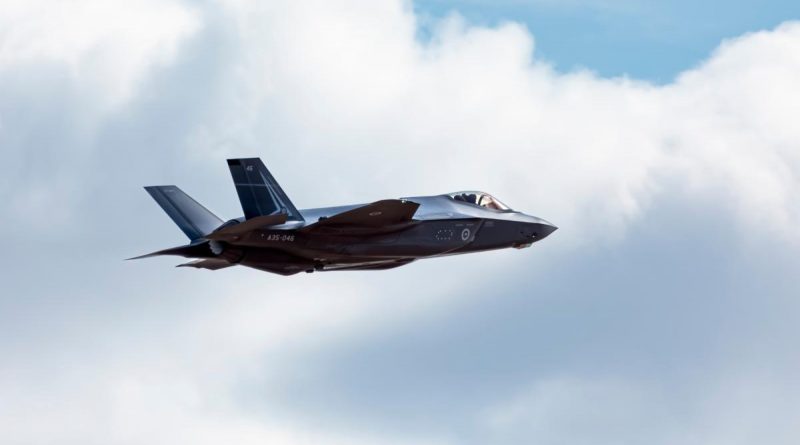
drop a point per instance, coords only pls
(645, 40)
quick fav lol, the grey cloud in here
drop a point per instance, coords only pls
(645, 317)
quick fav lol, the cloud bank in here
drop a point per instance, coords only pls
(346, 104)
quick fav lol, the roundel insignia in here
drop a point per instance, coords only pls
(465, 234)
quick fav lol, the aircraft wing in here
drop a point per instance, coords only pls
(235, 231)
(379, 215)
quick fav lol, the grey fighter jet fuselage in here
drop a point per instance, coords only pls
(276, 237)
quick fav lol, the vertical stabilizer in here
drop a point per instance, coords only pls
(258, 191)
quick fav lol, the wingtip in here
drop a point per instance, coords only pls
(139, 257)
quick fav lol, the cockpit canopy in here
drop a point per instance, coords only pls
(480, 199)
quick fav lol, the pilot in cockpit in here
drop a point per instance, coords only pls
(466, 197)
(480, 199)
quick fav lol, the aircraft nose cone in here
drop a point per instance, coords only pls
(537, 228)
(544, 230)
(534, 231)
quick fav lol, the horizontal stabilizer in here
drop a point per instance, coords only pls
(196, 250)
(210, 264)
(192, 218)
(380, 214)
(237, 230)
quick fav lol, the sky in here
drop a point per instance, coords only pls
(646, 40)
(663, 310)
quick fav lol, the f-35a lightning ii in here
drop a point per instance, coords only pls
(274, 236)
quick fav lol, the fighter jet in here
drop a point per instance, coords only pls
(274, 236)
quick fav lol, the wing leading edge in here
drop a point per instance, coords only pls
(384, 214)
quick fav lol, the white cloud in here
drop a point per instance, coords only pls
(732, 127)
(473, 109)
(106, 47)
(154, 383)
